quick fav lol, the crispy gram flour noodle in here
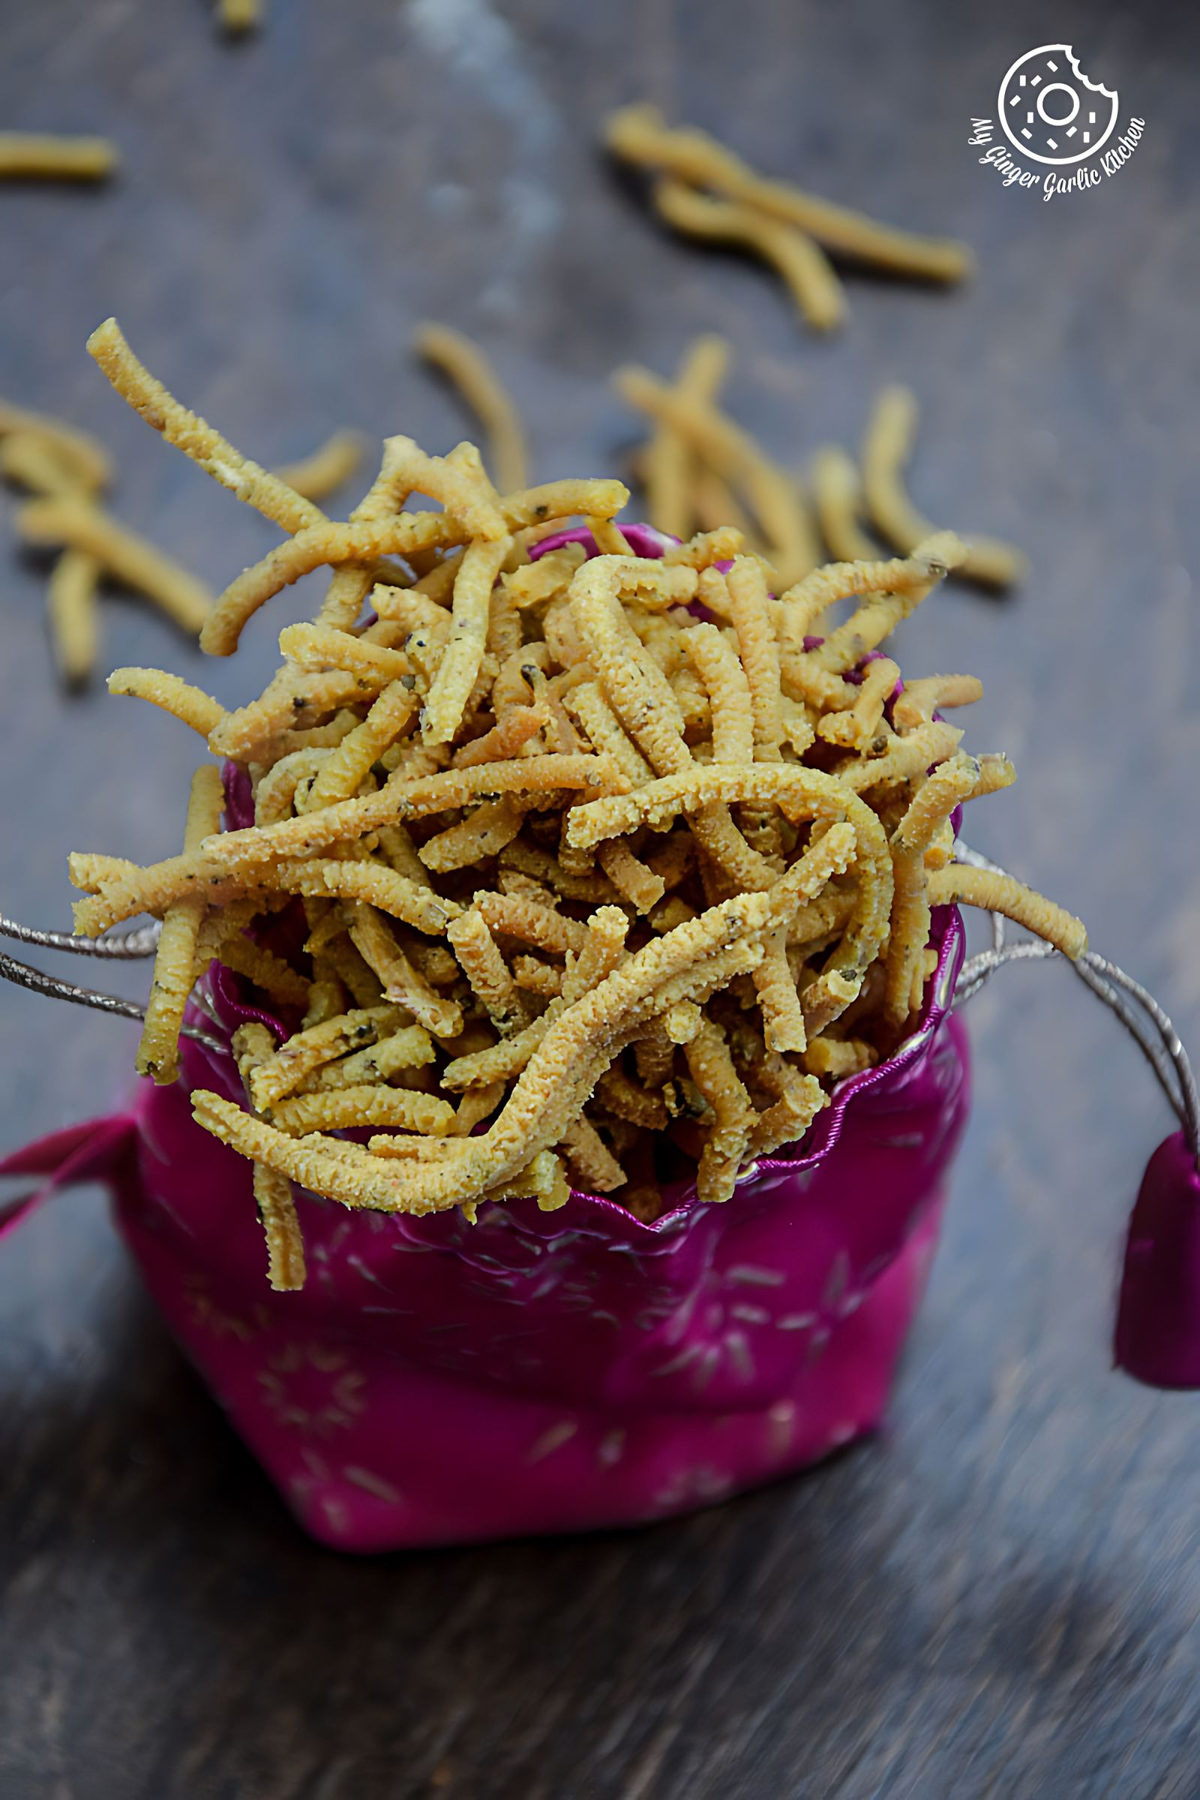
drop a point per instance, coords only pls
(564, 869)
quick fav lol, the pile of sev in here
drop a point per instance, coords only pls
(704, 190)
(564, 872)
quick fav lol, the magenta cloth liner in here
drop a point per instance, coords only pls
(643, 540)
(437, 1382)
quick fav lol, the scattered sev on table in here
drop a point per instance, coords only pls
(67, 471)
(601, 871)
(704, 190)
(45, 156)
(700, 469)
(465, 364)
(239, 16)
(886, 449)
(327, 468)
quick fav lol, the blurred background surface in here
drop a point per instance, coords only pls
(1001, 1595)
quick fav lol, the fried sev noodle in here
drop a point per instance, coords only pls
(324, 471)
(466, 366)
(640, 135)
(55, 461)
(45, 156)
(239, 16)
(570, 839)
(700, 470)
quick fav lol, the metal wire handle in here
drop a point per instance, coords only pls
(1138, 1010)
(143, 941)
(121, 946)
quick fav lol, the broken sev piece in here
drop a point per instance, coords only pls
(614, 858)
(886, 450)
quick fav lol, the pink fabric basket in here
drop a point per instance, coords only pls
(438, 1382)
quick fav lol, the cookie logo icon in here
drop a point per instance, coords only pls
(1050, 111)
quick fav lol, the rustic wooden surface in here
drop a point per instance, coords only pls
(1001, 1594)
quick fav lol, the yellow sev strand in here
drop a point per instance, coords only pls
(80, 454)
(459, 666)
(801, 262)
(1002, 894)
(158, 686)
(35, 463)
(71, 609)
(174, 963)
(775, 498)
(195, 437)
(74, 521)
(470, 371)
(668, 463)
(639, 134)
(238, 16)
(44, 156)
(327, 468)
(886, 449)
(253, 1045)
(837, 492)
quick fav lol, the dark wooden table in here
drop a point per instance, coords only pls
(1001, 1594)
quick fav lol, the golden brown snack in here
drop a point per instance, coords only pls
(239, 16)
(469, 369)
(668, 469)
(797, 258)
(640, 135)
(322, 473)
(43, 156)
(71, 608)
(562, 840)
(76, 522)
(174, 964)
(774, 498)
(886, 450)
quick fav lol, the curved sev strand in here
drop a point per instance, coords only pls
(195, 437)
(324, 471)
(48, 156)
(468, 368)
(640, 135)
(1000, 893)
(667, 468)
(774, 497)
(837, 494)
(801, 262)
(72, 519)
(886, 450)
